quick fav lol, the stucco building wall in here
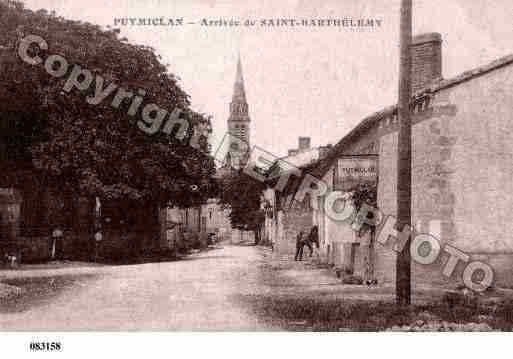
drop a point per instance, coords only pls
(335, 237)
(462, 181)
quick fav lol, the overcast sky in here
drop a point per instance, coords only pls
(317, 82)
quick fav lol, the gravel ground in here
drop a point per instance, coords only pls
(229, 288)
(8, 292)
(197, 293)
(304, 296)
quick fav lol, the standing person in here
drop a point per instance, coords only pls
(308, 243)
(299, 246)
(313, 238)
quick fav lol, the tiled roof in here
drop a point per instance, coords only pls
(468, 75)
(321, 166)
(297, 161)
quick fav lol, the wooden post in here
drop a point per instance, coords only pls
(403, 264)
(97, 226)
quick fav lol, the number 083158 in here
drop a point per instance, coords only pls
(45, 346)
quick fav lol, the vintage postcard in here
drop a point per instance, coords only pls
(266, 166)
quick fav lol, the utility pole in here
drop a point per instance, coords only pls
(403, 264)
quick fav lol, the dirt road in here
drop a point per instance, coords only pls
(197, 293)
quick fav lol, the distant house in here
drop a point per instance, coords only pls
(30, 213)
(10, 206)
(216, 219)
(209, 218)
(285, 217)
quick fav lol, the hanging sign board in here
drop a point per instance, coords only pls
(353, 170)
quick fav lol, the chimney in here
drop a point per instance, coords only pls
(293, 152)
(304, 143)
(324, 150)
(426, 61)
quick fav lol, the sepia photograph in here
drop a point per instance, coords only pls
(255, 166)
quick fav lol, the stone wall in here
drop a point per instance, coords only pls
(462, 175)
(297, 217)
(238, 236)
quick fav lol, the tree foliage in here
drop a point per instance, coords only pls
(94, 150)
(364, 193)
(242, 193)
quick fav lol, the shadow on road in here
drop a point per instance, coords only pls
(196, 258)
(40, 291)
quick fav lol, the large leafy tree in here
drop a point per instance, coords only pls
(242, 193)
(64, 142)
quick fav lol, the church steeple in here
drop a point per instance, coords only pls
(239, 104)
(238, 122)
(239, 94)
